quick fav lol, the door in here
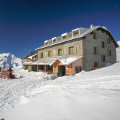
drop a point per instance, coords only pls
(61, 71)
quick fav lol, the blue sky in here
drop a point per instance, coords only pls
(26, 24)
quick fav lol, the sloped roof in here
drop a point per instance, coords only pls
(83, 32)
(50, 61)
(31, 54)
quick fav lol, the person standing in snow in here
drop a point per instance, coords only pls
(10, 72)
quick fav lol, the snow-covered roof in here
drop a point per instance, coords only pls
(69, 60)
(44, 61)
(64, 34)
(50, 61)
(83, 32)
(76, 29)
(32, 56)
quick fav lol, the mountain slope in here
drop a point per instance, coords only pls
(9, 60)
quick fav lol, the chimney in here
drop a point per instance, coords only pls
(91, 26)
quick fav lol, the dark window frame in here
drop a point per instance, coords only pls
(71, 50)
(49, 68)
(103, 59)
(95, 50)
(109, 53)
(49, 53)
(41, 55)
(59, 52)
(41, 67)
(102, 44)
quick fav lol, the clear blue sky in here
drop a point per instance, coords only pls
(26, 24)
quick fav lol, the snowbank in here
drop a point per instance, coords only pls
(85, 96)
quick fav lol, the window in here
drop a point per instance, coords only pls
(46, 42)
(103, 31)
(64, 37)
(41, 67)
(49, 54)
(94, 35)
(95, 50)
(77, 69)
(109, 52)
(41, 55)
(76, 32)
(54, 40)
(49, 67)
(71, 50)
(103, 44)
(103, 58)
(59, 52)
(108, 40)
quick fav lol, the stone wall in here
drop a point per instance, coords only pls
(64, 46)
(90, 58)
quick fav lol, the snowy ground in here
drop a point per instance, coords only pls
(91, 95)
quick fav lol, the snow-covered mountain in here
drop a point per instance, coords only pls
(9, 60)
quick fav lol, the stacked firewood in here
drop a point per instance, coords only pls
(4, 74)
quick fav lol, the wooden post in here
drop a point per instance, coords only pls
(44, 68)
(31, 67)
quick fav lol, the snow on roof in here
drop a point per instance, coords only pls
(54, 38)
(44, 61)
(76, 29)
(64, 34)
(32, 56)
(46, 41)
(83, 32)
(50, 61)
(69, 60)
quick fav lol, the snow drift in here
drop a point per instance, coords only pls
(9, 60)
(85, 96)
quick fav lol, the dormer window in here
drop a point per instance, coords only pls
(46, 42)
(76, 32)
(64, 36)
(54, 40)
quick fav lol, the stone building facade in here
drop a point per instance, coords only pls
(81, 49)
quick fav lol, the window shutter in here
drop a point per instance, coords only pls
(75, 49)
(51, 53)
(56, 52)
(67, 50)
(47, 53)
(63, 51)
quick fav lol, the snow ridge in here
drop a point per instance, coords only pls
(9, 60)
